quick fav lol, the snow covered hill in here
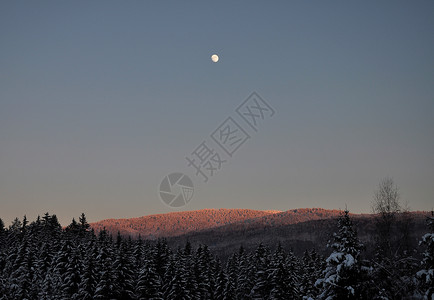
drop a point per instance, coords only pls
(180, 223)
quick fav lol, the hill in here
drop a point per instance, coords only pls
(300, 236)
(225, 230)
(181, 223)
(178, 223)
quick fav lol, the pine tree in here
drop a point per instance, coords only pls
(71, 278)
(74, 228)
(123, 273)
(341, 277)
(44, 260)
(47, 289)
(219, 293)
(149, 284)
(283, 274)
(426, 275)
(60, 268)
(230, 290)
(2, 227)
(178, 290)
(261, 288)
(311, 270)
(17, 265)
(282, 287)
(16, 226)
(204, 272)
(169, 274)
(243, 276)
(138, 254)
(293, 267)
(231, 274)
(24, 224)
(84, 226)
(191, 285)
(88, 277)
(105, 281)
(2, 244)
(3, 258)
(25, 274)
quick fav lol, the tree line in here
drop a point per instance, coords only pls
(42, 260)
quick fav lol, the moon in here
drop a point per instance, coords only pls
(214, 58)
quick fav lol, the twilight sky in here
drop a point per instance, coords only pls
(100, 100)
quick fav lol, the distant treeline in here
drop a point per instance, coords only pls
(405, 235)
(182, 222)
(42, 260)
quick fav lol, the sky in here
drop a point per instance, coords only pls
(100, 100)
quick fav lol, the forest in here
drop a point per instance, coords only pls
(180, 223)
(42, 260)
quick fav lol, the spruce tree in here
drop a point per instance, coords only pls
(88, 277)
(71, 277)
(243, 275)
(340, 279)
(426, 274)
(282, 286)
(219, 293)
(149, 285)
(123, 272)
(105, 281)
(84, 226)
(260, 273)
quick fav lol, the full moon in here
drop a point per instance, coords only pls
(214, 58)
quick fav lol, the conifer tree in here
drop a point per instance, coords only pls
(24, 275)
(204, 272)
(243, 275)
(341, 277)
(16, 226)
(282, 287)
(260, 261)
(105, 281)
(123, 273)
(83, 222)
(426, 274)
(88, 277)
(149, 283)
(219, 293)
(2, 244)
(177, 286)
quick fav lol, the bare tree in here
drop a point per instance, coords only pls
(386, 205)
(386, 198)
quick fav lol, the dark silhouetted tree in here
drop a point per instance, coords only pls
(341, 278)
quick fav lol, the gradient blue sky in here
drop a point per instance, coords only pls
(99, 100)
